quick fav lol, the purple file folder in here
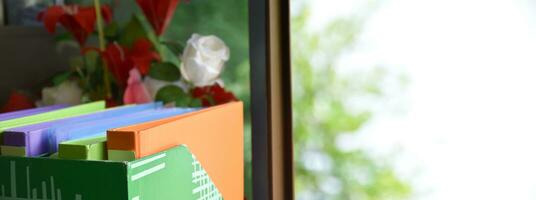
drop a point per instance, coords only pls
(28, 112)
(35, 137)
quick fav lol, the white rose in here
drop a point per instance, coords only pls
(203, 60)
(67, 92)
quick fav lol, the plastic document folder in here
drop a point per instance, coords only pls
(33, 140)
(93, 148)
(99, 127)
(214, 135)
(28, 112)
(174, 174)
(52, 115)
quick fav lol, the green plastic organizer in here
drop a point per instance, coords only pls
(168, 175)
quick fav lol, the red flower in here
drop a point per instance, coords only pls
(213, 95)
(110, 103)
(116, 61)
(158, 12)
(120, 60)
(17, 101)
(142, 54)
(80, 21)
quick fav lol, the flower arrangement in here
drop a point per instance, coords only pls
(132, 63)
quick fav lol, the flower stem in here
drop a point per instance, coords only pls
(102, 46)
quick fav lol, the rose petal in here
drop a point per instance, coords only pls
(80, 21)
(50, 17)
(17, 101)
(136, 91)
(158, 12)
(106, 13)
(116, 61)
(203, 60)
(86, 17)
(142, 55)
(213, 95)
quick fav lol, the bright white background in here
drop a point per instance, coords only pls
(469, 126)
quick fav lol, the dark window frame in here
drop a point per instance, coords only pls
(272, 160)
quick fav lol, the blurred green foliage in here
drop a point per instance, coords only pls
(320, 107)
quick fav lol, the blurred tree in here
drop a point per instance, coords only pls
(320, 107)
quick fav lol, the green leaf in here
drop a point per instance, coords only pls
(91, 59)
(183, 101)
(187, 101)
(176, 47)
(62, 37)
(111, 30)
(65, 42)
(133, 31)
(168, 55)
(60, 78)
(170, 93)
(195, 103)
(165, 71)
(173, 93)
(170, 51)
(76, 62)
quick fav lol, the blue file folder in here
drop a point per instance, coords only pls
(99, 127)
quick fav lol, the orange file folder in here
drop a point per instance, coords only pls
(214, 135)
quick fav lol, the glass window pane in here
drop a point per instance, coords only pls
(414, 99)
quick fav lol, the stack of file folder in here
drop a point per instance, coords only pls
(131, 152)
